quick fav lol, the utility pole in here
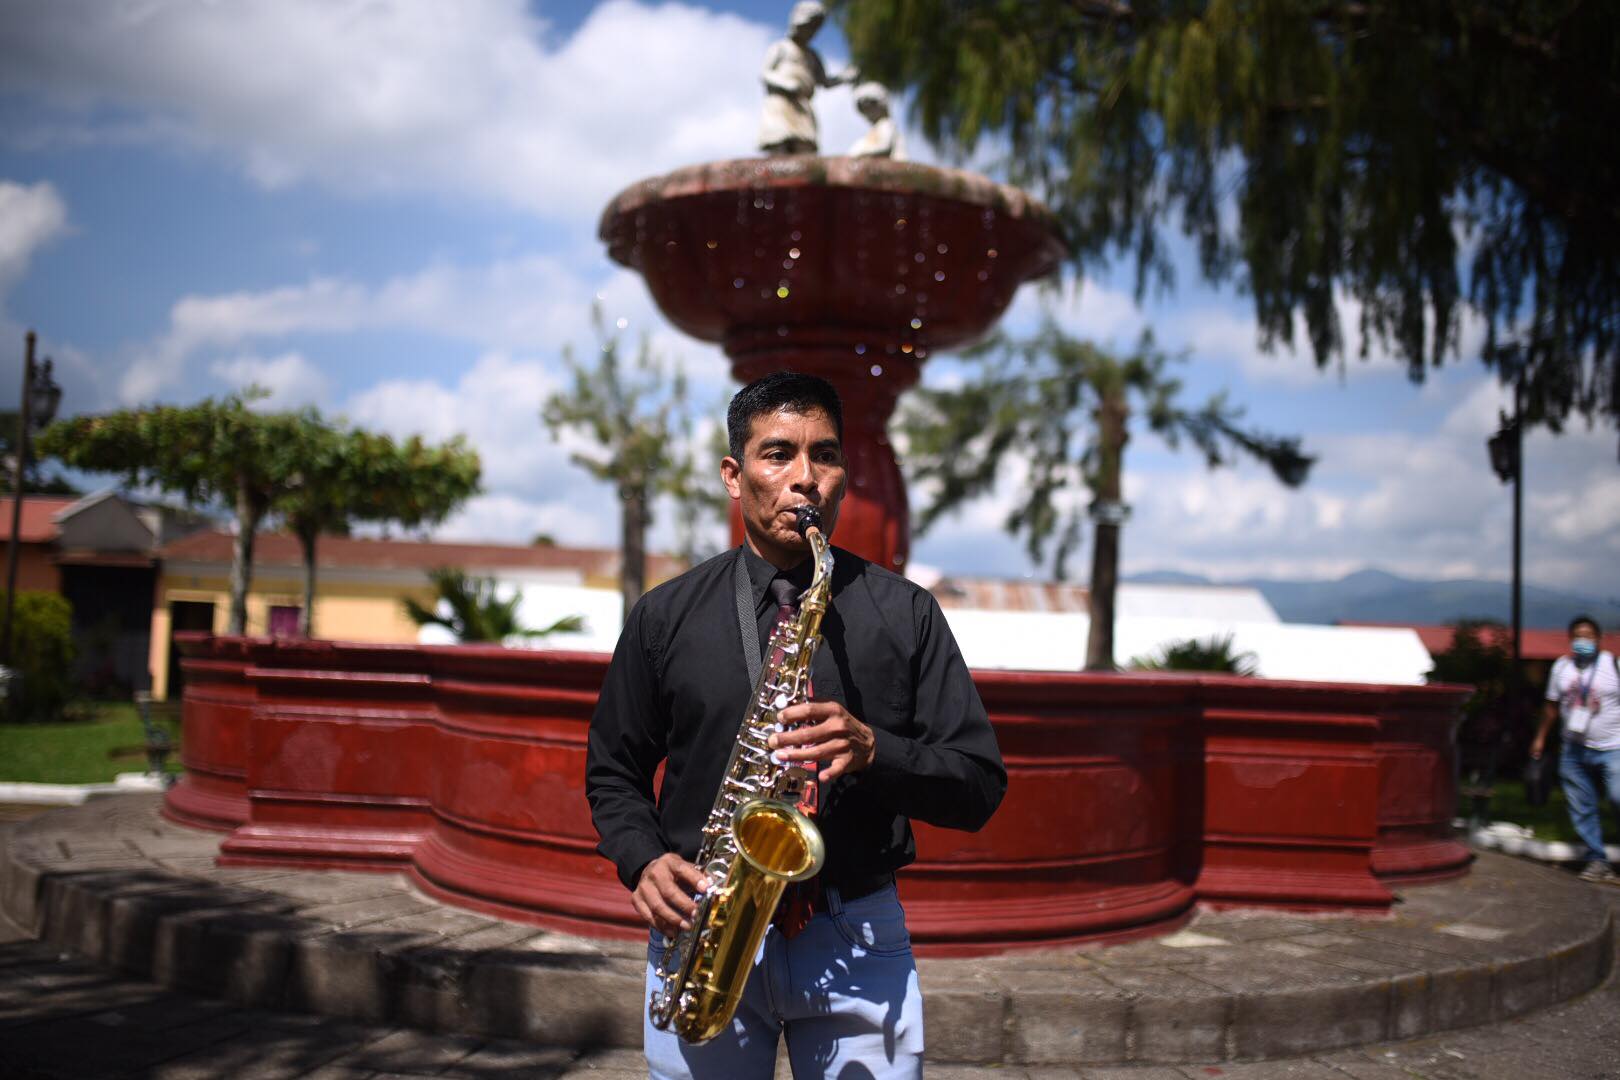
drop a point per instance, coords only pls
(1507, 461)
(1518, 540)
(24, 419)
(40, 398)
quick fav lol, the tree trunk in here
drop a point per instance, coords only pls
(633, 545)
(306, 614)
(249, 512)
(1112, 417)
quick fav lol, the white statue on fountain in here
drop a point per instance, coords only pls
(883, 138)
(792, 72)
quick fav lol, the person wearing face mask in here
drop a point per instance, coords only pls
(1583, 690)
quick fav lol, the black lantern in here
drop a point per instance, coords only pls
(1504, 449)
(44, 395)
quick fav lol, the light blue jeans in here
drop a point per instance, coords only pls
(843, 992)
(1588, 775)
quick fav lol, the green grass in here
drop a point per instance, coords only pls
(88, 752)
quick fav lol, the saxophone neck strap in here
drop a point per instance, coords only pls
(747, 626)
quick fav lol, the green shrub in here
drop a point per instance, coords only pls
(42, 654)
(1215, 653)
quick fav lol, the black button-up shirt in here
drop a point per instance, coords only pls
(678, 686)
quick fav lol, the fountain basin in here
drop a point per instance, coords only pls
(1130, 798)
(854, 269)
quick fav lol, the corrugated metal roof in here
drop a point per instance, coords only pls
(1236, 603)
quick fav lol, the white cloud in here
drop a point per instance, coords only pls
(517, 303)
(526, 303)
(292, 380)
(470, 98)
(530, 484)
(30, 217)
(1425, 504)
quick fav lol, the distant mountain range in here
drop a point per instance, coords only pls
(1379, 596)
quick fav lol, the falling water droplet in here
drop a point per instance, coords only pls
(916, 324)
(906, 348)
(782, 291)
(793, 253)
(737, 283)
(939, 275)
(622, 323)
(860, 350)
(877, 369)
(991, 253)
(943, 248)
(712, 244)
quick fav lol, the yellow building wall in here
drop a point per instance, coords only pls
(344, 611)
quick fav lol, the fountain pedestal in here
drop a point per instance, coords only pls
(854, 269)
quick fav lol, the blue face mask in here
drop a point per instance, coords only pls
(1583, 648)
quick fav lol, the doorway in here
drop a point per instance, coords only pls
(185, 615)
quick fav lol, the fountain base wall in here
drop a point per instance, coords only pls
(1130, 798)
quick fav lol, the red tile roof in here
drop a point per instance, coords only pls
(271, 549)
(37, 512)
(1534, 644)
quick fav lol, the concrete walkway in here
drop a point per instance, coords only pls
(112, 885)
(65, 1020)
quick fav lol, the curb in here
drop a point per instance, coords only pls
(24, 793)
(101, 881)
(1512, 839)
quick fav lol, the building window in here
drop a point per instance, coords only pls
(284, 620)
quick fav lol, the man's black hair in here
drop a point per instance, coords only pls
(792, 391)
(1585, 620)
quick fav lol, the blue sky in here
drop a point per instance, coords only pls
(388, 209)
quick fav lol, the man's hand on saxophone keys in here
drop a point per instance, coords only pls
(824, 732)
(663, 896)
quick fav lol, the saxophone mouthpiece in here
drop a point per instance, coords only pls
(805, 518)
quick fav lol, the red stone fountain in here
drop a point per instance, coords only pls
(1131, 797)
(854, 269)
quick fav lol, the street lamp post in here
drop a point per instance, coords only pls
(40, 397)
(1507, 461)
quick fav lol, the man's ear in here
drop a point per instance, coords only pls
(731, 476)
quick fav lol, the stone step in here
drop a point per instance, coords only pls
(114, 883)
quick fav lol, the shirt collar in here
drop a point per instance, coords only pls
(761, 572)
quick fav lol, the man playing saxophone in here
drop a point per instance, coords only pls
(894, 728)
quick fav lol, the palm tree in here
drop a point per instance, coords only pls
(1214, 653)
(1066, 405)
(477, 613)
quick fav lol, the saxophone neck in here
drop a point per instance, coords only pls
(821, 554)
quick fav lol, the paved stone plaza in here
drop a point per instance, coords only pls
(272, 973)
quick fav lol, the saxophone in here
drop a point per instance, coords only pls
(755, 840)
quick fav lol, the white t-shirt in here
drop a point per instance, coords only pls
(1588, 700)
